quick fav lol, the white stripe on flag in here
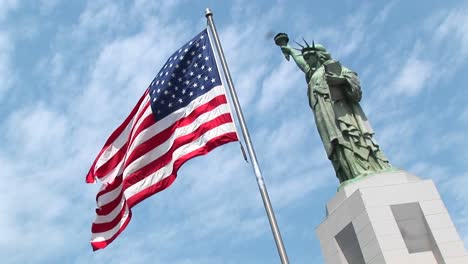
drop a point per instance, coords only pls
(179, 132)
(167, 170)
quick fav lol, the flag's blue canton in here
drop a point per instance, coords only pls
(188, 73)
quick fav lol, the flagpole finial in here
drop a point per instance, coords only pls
(208, 12)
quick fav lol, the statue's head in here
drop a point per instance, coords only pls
(315, 55)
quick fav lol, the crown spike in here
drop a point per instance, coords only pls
(313, 44)
(299, 44)
(306, 42)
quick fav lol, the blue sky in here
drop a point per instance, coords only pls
(70, 71)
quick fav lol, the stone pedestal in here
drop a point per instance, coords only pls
(389, 218)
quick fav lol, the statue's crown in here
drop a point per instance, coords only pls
(314, 48)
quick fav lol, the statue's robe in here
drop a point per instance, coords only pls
(343, 127)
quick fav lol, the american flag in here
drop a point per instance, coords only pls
(183, 113)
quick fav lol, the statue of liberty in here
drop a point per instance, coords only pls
(334, 93)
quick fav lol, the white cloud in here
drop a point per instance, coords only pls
(7, 6)
(106, 92)
(344, 39)
(121, 72)
(464, 115)
(247, 56)
(355, 36)
(99, 17)
(40, 200)
(103, 64)
(46, 6)
(56, 69)
(246, 73)
(6, 73)
(148, 8)
(456, 187)
(453, 27)
(303, 166)
(382, 16)
(412, 77)
(435, 172)
(34, 129)
(277, 85)
(297, 186)
(396, 132)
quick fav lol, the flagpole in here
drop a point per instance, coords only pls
(248, 143)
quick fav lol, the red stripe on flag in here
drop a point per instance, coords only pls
(164, 135)
(107, 167)
(110, 164)
(146, 123)
(90, 177)
(157, 187)
(166, 182)
(102, 244)
(109, 187)
(107, 208)
(167, 157)
(103, 227)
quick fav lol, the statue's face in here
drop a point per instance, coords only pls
(311, 58)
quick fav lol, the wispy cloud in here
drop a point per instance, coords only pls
(6, 73)
(46, 6)
(455, 186)
(7, 6)
(121, 62)
(274, 90)
(34, 129)
(412, 78)
(382, 16)
(452, 25)
(97, 61)
(464, 115)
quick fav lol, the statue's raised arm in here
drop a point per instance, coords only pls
(282, 39)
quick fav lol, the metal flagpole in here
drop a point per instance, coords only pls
(248, 143)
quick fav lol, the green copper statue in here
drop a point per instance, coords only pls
(334, 93)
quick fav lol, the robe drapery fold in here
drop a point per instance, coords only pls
(343, 127)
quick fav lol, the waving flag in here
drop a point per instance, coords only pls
(184, 113)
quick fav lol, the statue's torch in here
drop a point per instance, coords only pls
(282, 39)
